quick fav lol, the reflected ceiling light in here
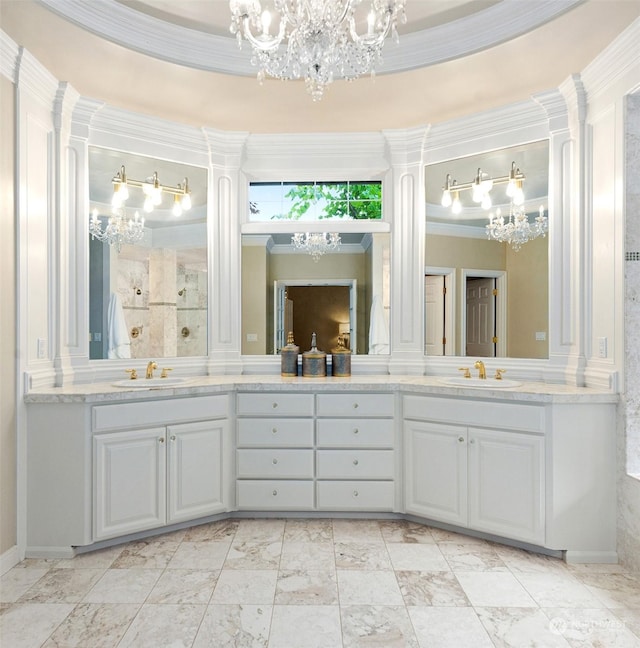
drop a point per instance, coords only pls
(315, 39)
(118, 228)
(152, 190)
(316, 243)
(516, 229)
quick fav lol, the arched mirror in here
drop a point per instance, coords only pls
(486, 254)
(148, 286)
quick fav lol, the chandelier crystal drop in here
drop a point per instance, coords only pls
(118, 230)
(316, 243)
(516, 229)
(315, 39)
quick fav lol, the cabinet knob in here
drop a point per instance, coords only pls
(274, 430)
(461, 439)
(275, 461)
(274, 405)
(274, 493)
(355, 462)
(355, 406)
(356, 431)
(173, 437)
(355, 493)
(161, 439)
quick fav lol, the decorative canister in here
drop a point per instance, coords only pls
(314, 362)
(289, 357)
(341, 360)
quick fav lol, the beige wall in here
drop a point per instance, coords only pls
(7, 322)
(255, 295)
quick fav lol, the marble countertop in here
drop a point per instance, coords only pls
(534, 392)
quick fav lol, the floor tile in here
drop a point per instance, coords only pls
(417, 557)
(62, 586)
(558, 590)
(17, 582)
(199, 555)
(448, 627)
(368, 588)
(245, 554)
(465, 557)
(377, 625)
(358, 555)
(494, 589)
(221, 531)
(631, 618)
(99, 559)
(234, 626)
(154, 553)
(308, 531)
(516, 627)
(163, 626)
(260, 530)
(518, 560)
(313, 626)
(313, 556)
(357, 531)
(246, 586)
(306, 588)
(98, 625)
(184, 586)
(124, 586)
(614, 590)
(405, 532)
(440, 589)
(28, 625)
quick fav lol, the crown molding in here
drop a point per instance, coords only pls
(34, 79)
(9, 52)
(138, 31)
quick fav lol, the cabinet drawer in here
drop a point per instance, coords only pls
(275, 404)
(159, 412)
(355, 404)
(277, 463)
(275, 495)
(272, 433)
(354, 495)
(355, 464)
(355, 433)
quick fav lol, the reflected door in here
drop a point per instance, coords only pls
(481, 317)
(434, 288)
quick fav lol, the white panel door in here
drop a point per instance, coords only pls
(481, 317)
(195, 476)
(436, 471)
(434, 315)
(506, 484)
(129, 481)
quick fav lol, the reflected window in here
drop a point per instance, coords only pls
(309, 201)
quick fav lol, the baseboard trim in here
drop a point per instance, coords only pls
(601, 557)
(51, 553)
(9, 559)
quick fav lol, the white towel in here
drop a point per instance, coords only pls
(118, 342)
(378, 332)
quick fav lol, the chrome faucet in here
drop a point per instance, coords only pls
(150, 367)
(482, 372)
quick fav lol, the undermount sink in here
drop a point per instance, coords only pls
(149, 383)
(489, 383)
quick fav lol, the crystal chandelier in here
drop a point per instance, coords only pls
(315, 39)
(516, 229)
(316, 243)
(119, 229)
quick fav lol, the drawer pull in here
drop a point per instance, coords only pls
(274, 430)
(356, 431)
(355, 493)
(355, 462)
(274, 405)
(355, 406)
(274, 461)
(461, 439)
(275, 492)
(173, 437)
(161, 439)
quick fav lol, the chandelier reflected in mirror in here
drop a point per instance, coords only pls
(515, 229)
(118, 228)
(316, 243)
(315, 40)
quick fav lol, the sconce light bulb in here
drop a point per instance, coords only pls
(148, 204)
(265, 20)
(518, 196)
(186, 202)
(446, 198)
(456, 206)
(486, 202)
(177, 207)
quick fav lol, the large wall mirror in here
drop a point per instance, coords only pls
(149, 297)
(487, 297)
(344, 294)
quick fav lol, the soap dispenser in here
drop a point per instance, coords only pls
(314, 361)
(289, 357)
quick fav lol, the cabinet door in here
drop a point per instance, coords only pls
(506, 482)
(195, 484)
(436, 471)
(129, 481)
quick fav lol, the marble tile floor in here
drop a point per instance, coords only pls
(318, 584)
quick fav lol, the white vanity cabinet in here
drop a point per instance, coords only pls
(146, 477)
(355, 456)
(275, 451)
(488, 476)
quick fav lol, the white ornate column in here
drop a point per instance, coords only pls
(406, 150)
(224, 206)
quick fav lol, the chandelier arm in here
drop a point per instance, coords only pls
(263, 43)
